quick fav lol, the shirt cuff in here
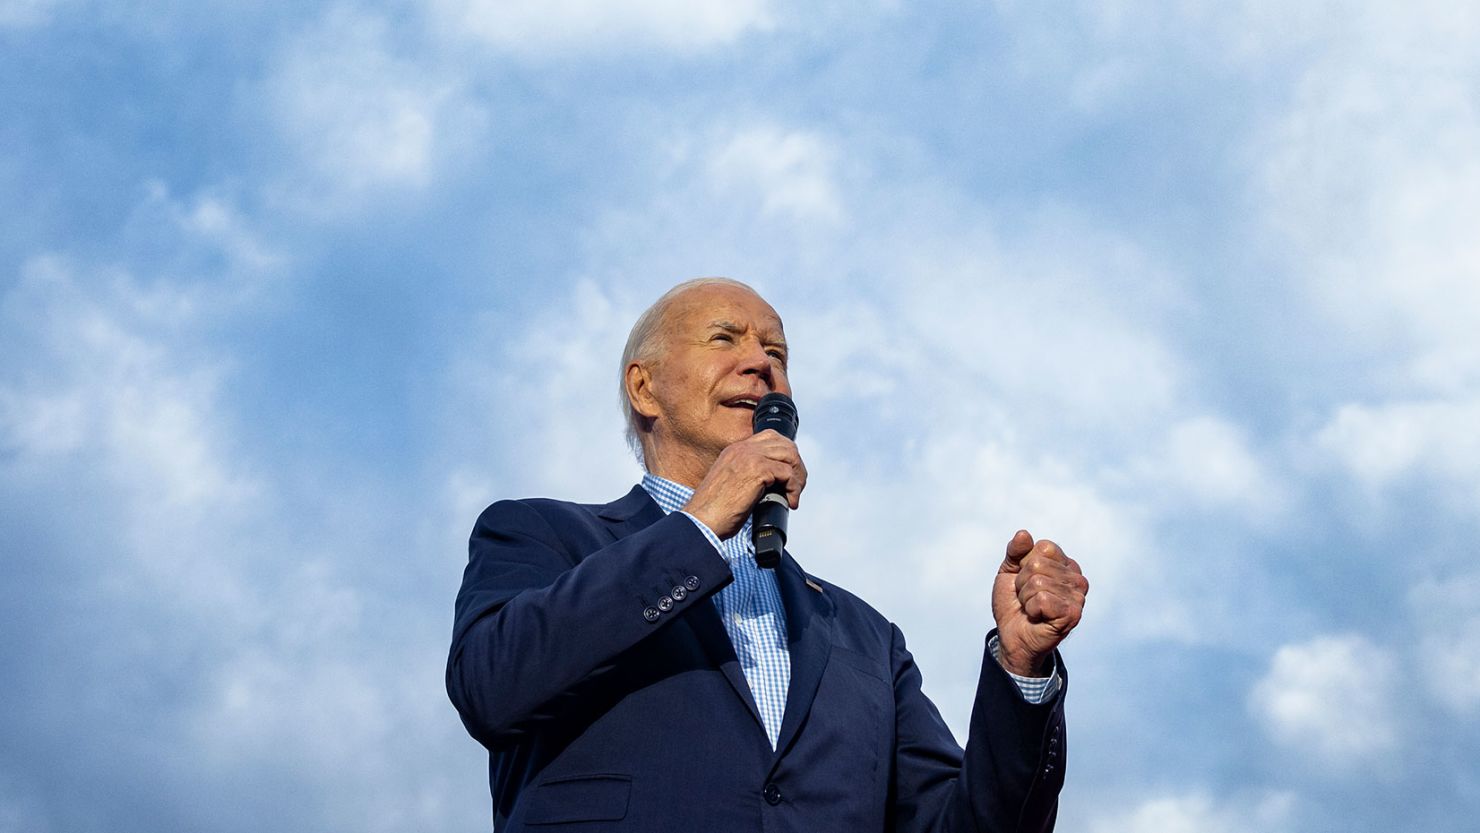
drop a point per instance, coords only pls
(708, 533)
(1035, 690)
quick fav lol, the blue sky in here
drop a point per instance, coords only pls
(290, 291)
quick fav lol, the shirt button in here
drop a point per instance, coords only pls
(772, 794)
(651, 614)
(678, 593)
(665, 604)
(691, 583)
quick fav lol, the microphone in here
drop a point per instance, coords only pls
(768, 523)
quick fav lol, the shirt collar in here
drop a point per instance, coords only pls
(669, 496)
(672, 497)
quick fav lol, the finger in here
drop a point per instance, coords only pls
(796, 484)
(1040, 573)
(1039, 595)
(1060, 613)
(780, 451)
(1044, 555)
(1017, 549)
(774, 443)
(1049, 550)
(1060, 580)
(1075, 576)
(776, 473)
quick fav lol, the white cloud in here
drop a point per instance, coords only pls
(788, 173)
(1370, 176)
(111, 393)
(234, 631)
(1361, 171)
(364, 732)
(974, 493)
(1333, 696)
(1199, 812)
(544, 391)
(23, 13)
(537, 27)
(362, 116)
(1207, 462)
(117, 404)
(1367, 179)
(214, 221)
(1447, 614)
(1210, 458)
(1061, 337)
(1387, 443)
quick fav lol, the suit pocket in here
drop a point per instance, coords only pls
(579, 798)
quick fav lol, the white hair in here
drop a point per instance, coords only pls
(645, 344)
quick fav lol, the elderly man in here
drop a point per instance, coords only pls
(629, 667)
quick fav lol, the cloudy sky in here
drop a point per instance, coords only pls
(290, 291)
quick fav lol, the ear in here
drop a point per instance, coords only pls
(639, 380)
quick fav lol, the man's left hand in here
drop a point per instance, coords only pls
(1037, 599)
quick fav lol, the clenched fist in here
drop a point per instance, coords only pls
(1037, 599)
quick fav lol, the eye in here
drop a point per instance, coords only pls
(721, 337)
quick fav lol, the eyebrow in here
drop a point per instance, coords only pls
(732, 327)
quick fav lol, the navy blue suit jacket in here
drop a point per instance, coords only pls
(597, 719)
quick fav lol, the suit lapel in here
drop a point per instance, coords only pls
(710, 631)
(809, 624)
(634, 512)
(629, 513)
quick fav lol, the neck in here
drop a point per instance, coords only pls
(685, 467)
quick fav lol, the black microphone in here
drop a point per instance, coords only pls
(768, 524)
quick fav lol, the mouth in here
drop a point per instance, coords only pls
(746, 402)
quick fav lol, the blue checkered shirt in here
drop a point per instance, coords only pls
(751, 610)
(750, 607)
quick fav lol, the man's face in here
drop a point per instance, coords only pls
(722, 349)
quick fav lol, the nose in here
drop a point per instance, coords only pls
(754, 361)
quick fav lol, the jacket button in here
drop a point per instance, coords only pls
(665, 604)
(651, 614)
(691, 583)
(678, 593)
(772, 794)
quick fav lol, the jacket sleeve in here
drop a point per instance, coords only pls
(1009, 777)
(536, 616)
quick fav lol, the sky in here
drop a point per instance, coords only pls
(290, 291)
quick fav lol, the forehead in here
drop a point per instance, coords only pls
(706, 306)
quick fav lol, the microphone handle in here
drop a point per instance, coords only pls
(768, 526)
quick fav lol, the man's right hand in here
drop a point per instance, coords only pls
(733, 485)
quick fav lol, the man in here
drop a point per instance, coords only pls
(628, 667)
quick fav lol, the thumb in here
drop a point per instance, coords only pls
(1017, 549)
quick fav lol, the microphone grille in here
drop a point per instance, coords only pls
(777, 412)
